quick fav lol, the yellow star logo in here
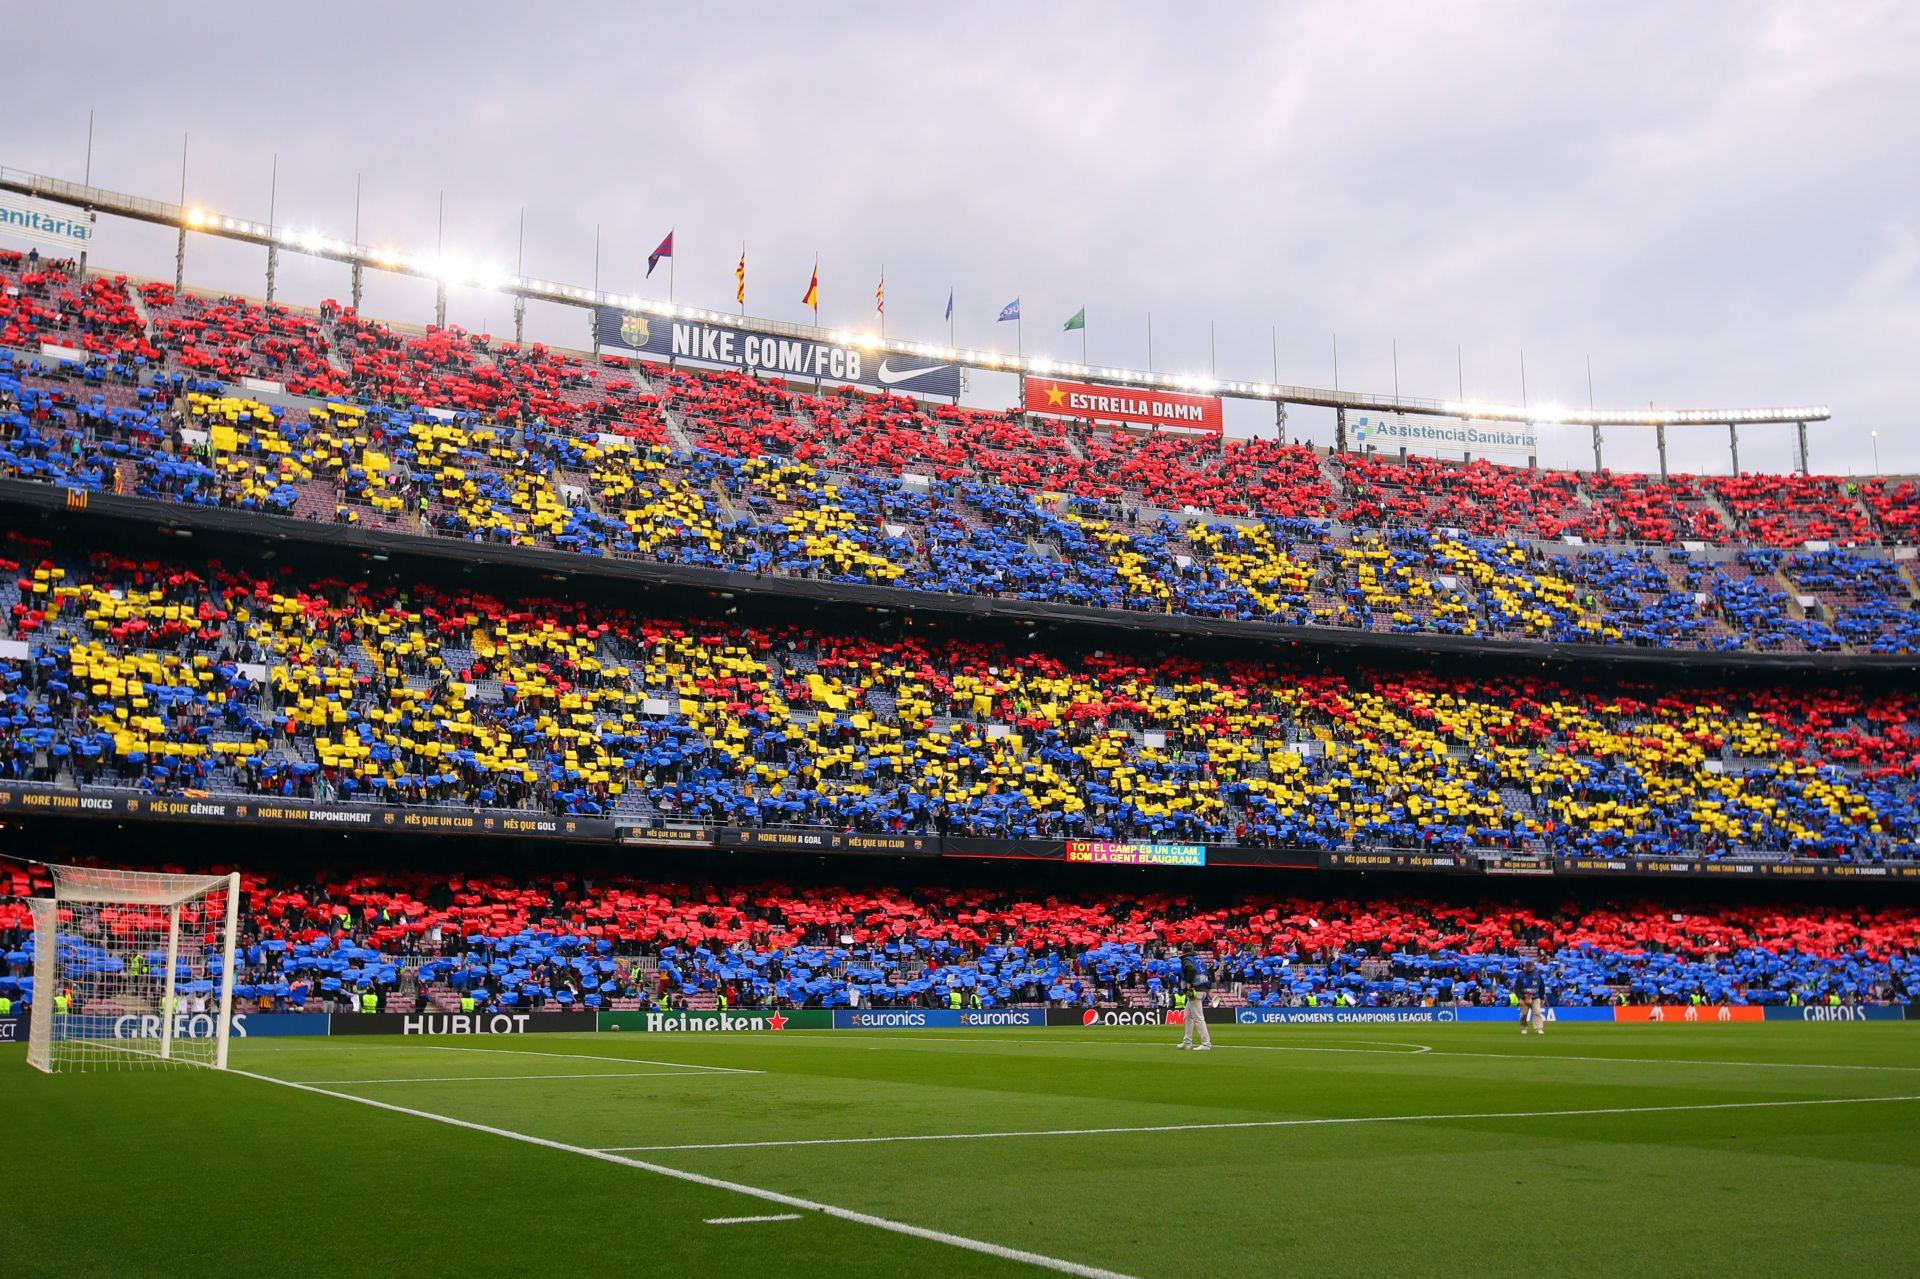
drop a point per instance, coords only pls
(1055, 396)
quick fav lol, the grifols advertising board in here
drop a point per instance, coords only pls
(1131, 405)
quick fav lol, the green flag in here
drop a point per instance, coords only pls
(1078, 321)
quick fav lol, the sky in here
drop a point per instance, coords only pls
(1717, 204)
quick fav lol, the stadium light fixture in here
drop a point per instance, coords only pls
(456, 269)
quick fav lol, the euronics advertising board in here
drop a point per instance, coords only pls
(935, 1018)
(1126, 404)
(765, 355)
(1391, 432)
(23, 217)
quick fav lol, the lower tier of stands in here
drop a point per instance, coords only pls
(563, 941)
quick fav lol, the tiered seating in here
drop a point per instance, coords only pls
(1477, 497)
(733, 415)
(45, 302)
(1868, 600)
(417, 696)
(229, 338)
(618, 942)
(1896, 508)
(1787, 510)
(1647, 508)
(531, 447)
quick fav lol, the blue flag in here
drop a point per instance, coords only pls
(1011, 311)
(949, 304)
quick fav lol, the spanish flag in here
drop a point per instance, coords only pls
(812, 298)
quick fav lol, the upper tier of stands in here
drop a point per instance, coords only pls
(457, 435)
(617, 942)
(175, 677)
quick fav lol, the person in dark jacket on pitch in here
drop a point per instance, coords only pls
(1197, 982)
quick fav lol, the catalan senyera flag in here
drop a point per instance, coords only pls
(880, 293)
(812, 297)
(740, 278)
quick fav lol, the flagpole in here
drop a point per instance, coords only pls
(1149, 341)
(1083, 337)
(670, 258)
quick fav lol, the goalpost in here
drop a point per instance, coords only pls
(132, 970)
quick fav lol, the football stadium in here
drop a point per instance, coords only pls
(566, 771)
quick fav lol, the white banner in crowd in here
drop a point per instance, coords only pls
(69, 231)
(1391, 432)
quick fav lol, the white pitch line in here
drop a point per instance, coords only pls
(716, 1183)
(1031, 1041)
(834, 1039)
(627, 1061)
(1634, 1061)
(1268, 1123)
(464, 1079)
(746, 1221)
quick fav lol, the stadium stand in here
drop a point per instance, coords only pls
(452, 434)
(616, 943)
(166, 677)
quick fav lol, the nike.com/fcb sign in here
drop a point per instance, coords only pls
(1124, 404)
(768, 356)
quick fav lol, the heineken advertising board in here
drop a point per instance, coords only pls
(653, 1021)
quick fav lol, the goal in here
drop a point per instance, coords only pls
(132, 970)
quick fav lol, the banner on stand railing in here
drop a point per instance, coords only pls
(659, 337)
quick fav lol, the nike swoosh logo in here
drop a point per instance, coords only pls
(891, 377)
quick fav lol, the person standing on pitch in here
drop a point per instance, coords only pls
(1197, 982)
(1533, 1005)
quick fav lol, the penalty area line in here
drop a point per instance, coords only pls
(1056, 1264)
(496, 1079)
(1324, 1121)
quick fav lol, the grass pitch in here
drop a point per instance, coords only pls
(1745, 1150)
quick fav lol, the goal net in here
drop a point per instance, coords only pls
(132, 970)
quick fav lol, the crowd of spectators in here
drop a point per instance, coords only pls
(420, 941)
(169, 676)
(454, 434)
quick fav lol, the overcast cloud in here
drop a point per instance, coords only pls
(1720, 203)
